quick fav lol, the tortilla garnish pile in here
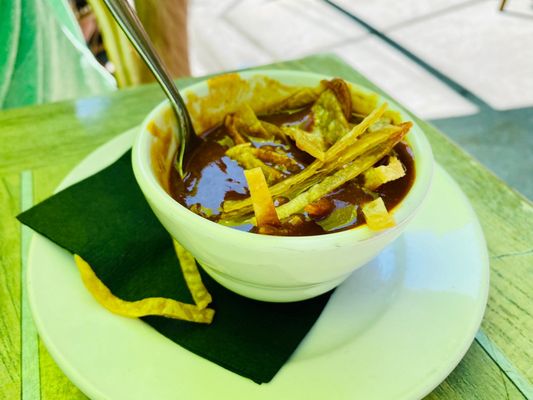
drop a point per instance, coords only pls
(347, 134)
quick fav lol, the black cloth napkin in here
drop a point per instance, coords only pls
(106, 220)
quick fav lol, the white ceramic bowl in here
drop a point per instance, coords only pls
(274, 268)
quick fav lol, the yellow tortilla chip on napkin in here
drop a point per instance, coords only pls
(158, 306)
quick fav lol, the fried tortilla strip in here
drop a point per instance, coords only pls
(250, 157)
(376, 215)
(329, 120)
(335, 157)
(310, 142)
(346, 140)
(244, 155)
(357, 117)
(192, 277)
(232, 125)
(265, 212)
(250, 123)
(299, 99)
(329, 123)
(380, 124)
(342, 92)
(394, 116)
(377, 176)
(274, 131)
(362, 102)
(339, 217)
(159, 306)
(243, 124)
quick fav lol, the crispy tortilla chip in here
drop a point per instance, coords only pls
(375, 177)
(362, 102)
(265, 212)
(274, 131)
(394, 116)
(329, 123)
(159, 306)
(342, 91)
(376, 215)
(244, 124)
(232, 125)
(310, 142)
(341, 144)
(192, 277)
(339, 217)
(379, 124)
(299, 99)
(328, 116)
(245, 155)
(250, 123)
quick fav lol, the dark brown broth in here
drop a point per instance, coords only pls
(211, 177)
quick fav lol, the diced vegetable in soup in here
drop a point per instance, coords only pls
(323, 160)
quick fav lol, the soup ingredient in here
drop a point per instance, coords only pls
(308, 142)
(377, 176)
(248, 157)
(264, 210)
(158, 306)
(192, 277)
(376, 215)
(339, 217)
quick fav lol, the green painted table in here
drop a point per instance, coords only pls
(40, 145)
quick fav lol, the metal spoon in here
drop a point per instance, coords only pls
(129, 22)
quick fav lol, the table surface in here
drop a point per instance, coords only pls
(39, 145)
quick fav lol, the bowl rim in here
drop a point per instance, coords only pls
(402, 213)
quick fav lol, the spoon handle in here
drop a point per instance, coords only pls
(129, 22)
